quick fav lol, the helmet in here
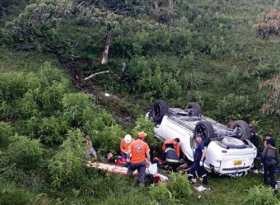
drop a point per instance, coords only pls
(127, 138)
(142, 135)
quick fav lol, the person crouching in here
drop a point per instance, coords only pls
(124, 146)
(171, 151)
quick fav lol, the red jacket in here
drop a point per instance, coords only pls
(175, 144)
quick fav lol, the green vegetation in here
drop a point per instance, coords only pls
(181, 51)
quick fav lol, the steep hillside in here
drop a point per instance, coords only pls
(180, 51)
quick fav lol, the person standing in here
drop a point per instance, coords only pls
(139, 157)
(255, 140)
(270, 161)
(197, 169)
(124, 146)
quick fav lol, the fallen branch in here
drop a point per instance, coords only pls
(95, 74)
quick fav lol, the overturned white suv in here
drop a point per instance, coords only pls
(229, 152)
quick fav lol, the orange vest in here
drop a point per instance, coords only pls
(175, 144)
(124, 147)
(138, 150)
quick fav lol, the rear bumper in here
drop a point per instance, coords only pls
(226, 168)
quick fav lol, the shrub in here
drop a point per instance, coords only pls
(6, 131)
(179, 186)
(144, 124)
(11, 195)
(25, 95)
(271, 106)
(161, 194)
(260, 195)
(108, 139)
(236, 106)
(66, 166)
(52, 131)
(270, 25)
(74, 107)
(24, 152)
(14, 85)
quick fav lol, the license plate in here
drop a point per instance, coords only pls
(237, 162)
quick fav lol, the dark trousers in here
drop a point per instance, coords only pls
(198, 171)
(125, 155)
(269, 174)
(141, 168)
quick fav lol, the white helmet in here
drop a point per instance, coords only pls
(127, 138)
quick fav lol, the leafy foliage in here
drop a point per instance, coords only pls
(66, 167)
(161, 194)
(9, 194)
(25, 153)
(179, 186)
(6, 131)
(260, 195)
(271, 106)
(192, 50)
(144, 124)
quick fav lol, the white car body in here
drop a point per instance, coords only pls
(220, 159)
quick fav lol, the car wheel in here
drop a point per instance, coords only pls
(194, 109)
(158, 110)
(242, 129)
(206, 130)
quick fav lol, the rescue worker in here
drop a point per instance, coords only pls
(139, 157)
(255, 139)
(270, 161)
(124, 146)
(90, 151)
(171, 152)
(197, 169)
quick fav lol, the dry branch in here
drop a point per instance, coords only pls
(95, 74)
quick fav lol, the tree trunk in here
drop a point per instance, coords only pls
(105, 55)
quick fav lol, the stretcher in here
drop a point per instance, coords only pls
(116, 169)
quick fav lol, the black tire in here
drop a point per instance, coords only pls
(194, 109)
(158, 110)
(242, 129)
(206, 130)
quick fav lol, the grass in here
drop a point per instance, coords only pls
(225, 190)
(12, 60)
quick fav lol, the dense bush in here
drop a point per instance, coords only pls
(52, 131)
(179, 186)
(25, 153)
(10, 194)
(66, 167)
(146, 125)
(271, 106)
(25, 95)
(6, 131)
(260, 195)
(161, 195)
(75, 106)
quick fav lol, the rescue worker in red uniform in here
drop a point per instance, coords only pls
(171, 152)
(124, 146)
(139, 157)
